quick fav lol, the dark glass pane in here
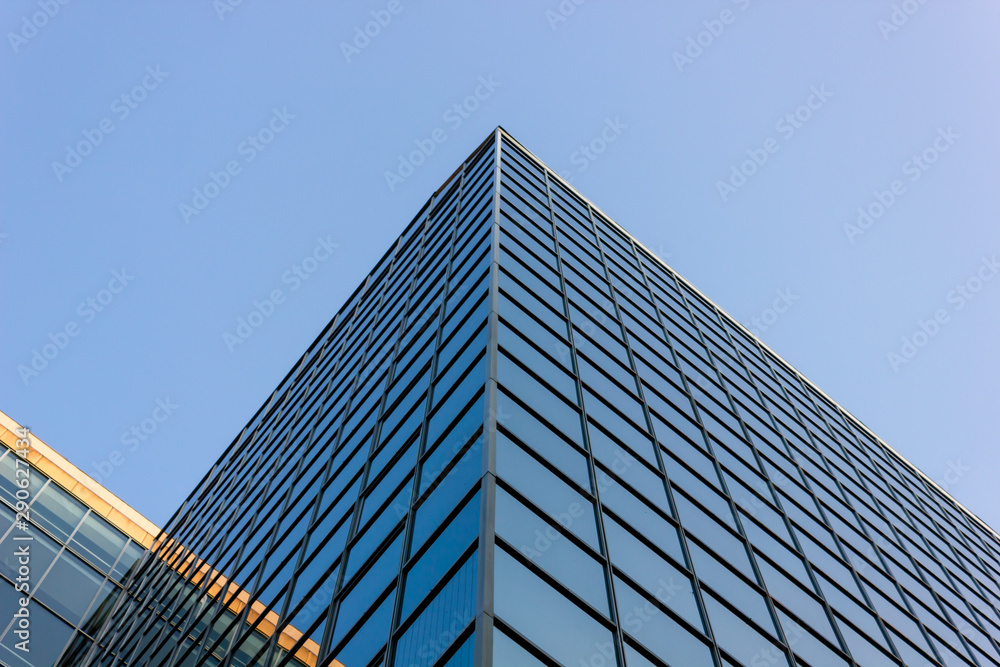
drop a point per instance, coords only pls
(542, 487)
(426, 572)
(656, 630)
(58, 512)
(442, 620)
(69, 587)
(545, 546)
(547, 617)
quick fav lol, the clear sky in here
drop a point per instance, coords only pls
(165, 165)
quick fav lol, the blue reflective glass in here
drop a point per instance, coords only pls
(647, 622)
(545, 546)
(545, 441)
(69, 587)
(542, 487)
(739, 638)
(507, 651)
(369, 637)
(427, 571)
(665, 581)
(354, 603)
(546, 617)
(56, 510)
(444, 618)
(447, 492)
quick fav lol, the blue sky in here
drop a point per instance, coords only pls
(166, 165)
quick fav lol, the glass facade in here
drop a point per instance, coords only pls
(69, 560)
(525, 440)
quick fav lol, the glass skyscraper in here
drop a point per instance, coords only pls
(524, 440)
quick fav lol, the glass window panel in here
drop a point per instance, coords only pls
(507, 651)
(469, 361)
(532, 329)
(863, 650)
(617, 497)
(711, 532)
(370, 636)
(530, 391)
(546, 617)
(630, 556)
(426, 572)
(128, 558)
(43, 551)
(447, 493)
(804, 643)
(443, 421)
(543, 440)
(8, 477)
(69, 587)
(542, 487)
(629, 468)
(726, 583)
(376, 531)
(513, 376)
(522, 251)
(442, 620)
(464, 656)
(551, 550)
(356, 601)
(655, 629)
(540, 307)
(49, 635)
(740, 639)
(57, 511)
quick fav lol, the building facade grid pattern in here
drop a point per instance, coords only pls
(77, 564)
(526, 440)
